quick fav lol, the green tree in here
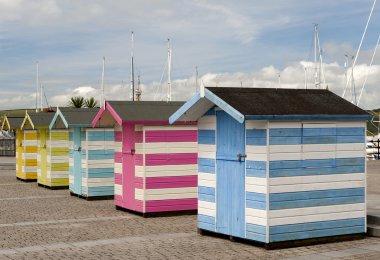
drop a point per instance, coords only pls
(90, 102)
(76, 102)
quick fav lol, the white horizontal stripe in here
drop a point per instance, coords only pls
(99, 165)
(71, 162)
(351, 147)
(57, 159)
(284, 156)
(285, 124)
(319, 147)
(315, 218)
(350, 124)
(96, 145)
(207, 123)
(164, 194)
(166, 170)
(29, 169)
(168, 147)
(207, 208)
(315, 179)
(118, 147)
(118, 168)
(317, 186)
(118, 189)
(249, 124)
(255, 188)
(256, 149)
(29, 143)
(207, 183)
(320, 125)
(57, 174)
(256, 220)
(97, 182)
(207, 151)
(207, 148)
(296, 212)
(256, 181)
(26, 156)
(351, 154)
(71, 179)
(261, 213)
(172, 128)
(257, 157)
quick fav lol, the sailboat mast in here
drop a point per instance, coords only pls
(132, 71)
(102, 86)
(169, 95)
(315, 57)
(196, 79)
(37, 84)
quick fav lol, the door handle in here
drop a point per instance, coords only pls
(240, 156)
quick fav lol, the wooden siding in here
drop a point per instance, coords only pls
(29, 155)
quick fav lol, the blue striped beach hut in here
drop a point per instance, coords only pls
(279, 165)
(91, 153)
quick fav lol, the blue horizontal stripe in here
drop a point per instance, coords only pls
(351, 139)
(256, 237)
(285, 132)
(315, 202)
(206, 194)
(285, 140)
(317, 233)
(256, 137)
(256, 196)
(256, 169)
(316, 171)
(316, 225)
(100, 156)
(100, 136)
(256, 228)
(323, 139)
(206, 136)
(256, 204)
(315, 194)
(319, 132)
(351, 131)
(206, 219)
(206, 165)
(316, 163)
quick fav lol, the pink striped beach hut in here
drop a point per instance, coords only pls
(155, 162)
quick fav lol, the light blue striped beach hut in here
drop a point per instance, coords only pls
(279, 165)
(91, 153)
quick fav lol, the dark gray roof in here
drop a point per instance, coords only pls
(15, 121)
(42, 119)
(145, 110)
(79, 116)
(270, 101)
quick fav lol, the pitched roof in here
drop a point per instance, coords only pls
(269, 104)
(42, 119)
(270, 101)
(145, 110)
(78, 116)
(14, 122)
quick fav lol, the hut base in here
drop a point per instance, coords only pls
(159, 214)
(26, 180)
(92, 198)
(53, 187)
(286, 244)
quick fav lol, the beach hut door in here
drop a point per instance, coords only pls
(77, 161)
(230, 181)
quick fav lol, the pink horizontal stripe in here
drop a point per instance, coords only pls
(171, 205)
(139, 136)
(171, 136)
(118, 136)
(119, 178)
(139, 206)
(171, 182)
(139, 183)
(139, 160)
(171, 159)
(118, 157)
(145, 122)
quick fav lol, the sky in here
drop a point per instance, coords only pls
(245, 43)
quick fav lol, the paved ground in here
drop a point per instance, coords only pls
(36, 223)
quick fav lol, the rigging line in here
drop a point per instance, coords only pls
(361, 42)
(370, 65)
(159, 85)
(43, 89)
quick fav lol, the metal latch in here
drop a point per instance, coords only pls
(240, 156)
